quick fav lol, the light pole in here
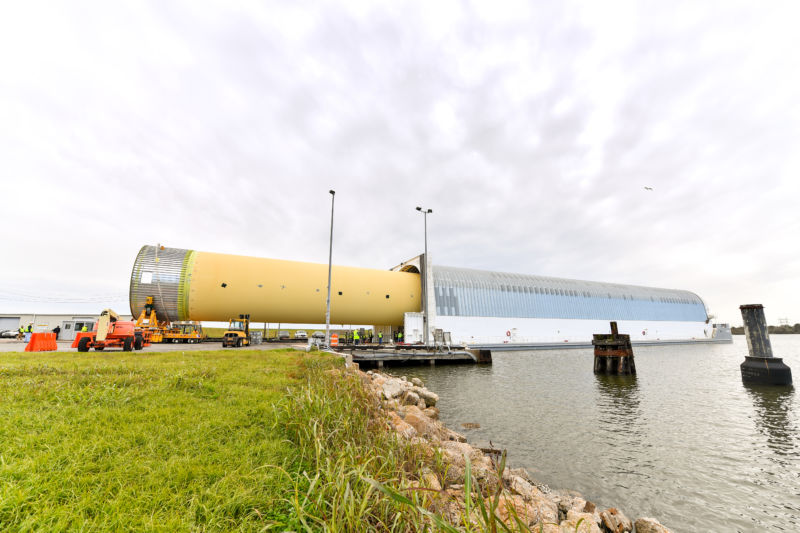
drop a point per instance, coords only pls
(330, 257)
(425, 279)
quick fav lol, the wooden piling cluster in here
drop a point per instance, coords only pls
(613, 353)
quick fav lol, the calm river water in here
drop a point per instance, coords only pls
(684, 441)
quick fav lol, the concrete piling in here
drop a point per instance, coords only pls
(613, 354)
(761, 367)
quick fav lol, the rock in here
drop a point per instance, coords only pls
(424, 425)
(454, 475)
(470, 425)
(586, 520)
(430, 480)
(416, 382)
(512, 507)
(568, 501)
(450, 505)
(615, 522)
(591, 509)
(650, 525)
(392, 388)
(485, 476)
(432, 413)
(430, 397)
(450, 435)
(370, 372)
(456, 451)
(546, 509)
(411, 398)
(401, 426)
(404, 379)
(391, 405)
(520, 472)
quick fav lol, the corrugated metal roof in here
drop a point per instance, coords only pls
(469, 292)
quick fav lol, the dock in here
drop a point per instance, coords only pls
(377, 356)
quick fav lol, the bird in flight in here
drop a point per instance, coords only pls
(648, 188)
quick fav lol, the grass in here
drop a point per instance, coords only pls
(224, 440)
(345, 447)
(160, 442)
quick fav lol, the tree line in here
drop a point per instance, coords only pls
(773, 330)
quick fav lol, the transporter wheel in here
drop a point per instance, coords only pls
(138, 342)
(83, 344)
(127, 344)
(239, 342)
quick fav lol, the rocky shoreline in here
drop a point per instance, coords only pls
(411, 412)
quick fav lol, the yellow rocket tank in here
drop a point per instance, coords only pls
(192, 285)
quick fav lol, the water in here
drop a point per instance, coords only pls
(684, 441)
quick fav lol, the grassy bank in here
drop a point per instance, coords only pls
(215, 441)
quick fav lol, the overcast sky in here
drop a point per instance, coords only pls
(530, 128)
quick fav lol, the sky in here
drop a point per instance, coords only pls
(650, 143)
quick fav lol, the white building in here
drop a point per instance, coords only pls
(44, 323)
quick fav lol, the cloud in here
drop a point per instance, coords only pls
(530, 130)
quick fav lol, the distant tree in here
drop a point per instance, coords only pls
(796, 328)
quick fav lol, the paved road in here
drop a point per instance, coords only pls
(10, 345)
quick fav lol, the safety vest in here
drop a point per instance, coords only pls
(399, 334)
(355, 336)
(21, 329)
(84, 328)
(29, 329)
(380, 335)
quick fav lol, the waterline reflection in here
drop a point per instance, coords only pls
(773, 417)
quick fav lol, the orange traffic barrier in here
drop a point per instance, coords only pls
(334, 339)
(42, 342)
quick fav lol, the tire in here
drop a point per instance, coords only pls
(138, 342)
(239, 342)
(127, 344)
(83, 344)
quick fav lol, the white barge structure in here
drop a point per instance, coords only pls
(507, 311)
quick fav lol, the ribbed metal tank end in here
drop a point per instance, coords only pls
(165, 274)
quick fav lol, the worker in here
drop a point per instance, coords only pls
(380, 337)
(355, 337)
(84, 328)
(399, 337)
(28, 332)
(57, 330)
(21, 333)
